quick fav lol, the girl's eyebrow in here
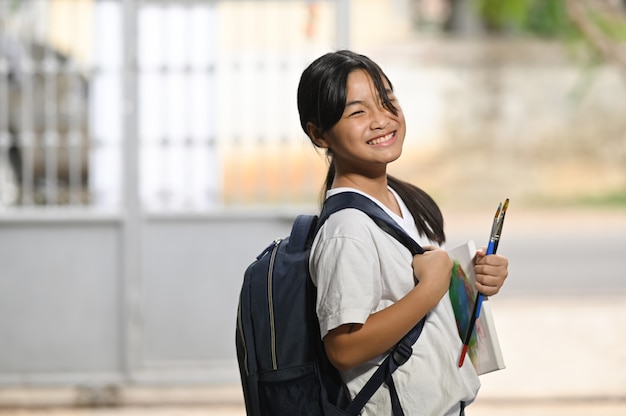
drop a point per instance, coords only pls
(354, 102)
(357, 102)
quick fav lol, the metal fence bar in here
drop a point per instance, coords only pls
(75, 142)
(6, 194)
(106, 135)
(342, 24)
(49, 70)
(72, 114)
(26, 143)
(132, 224)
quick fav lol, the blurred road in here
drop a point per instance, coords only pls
(558, 251)
(561, 321)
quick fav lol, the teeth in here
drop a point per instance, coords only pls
(381, 139)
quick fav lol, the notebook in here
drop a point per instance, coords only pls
(484, 348)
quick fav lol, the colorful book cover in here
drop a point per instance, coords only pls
(484, 349)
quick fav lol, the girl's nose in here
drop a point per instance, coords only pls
(379, 119)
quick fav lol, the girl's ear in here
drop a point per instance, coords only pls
(316, 136)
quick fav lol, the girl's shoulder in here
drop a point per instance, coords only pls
(353, 224)
(348, 221)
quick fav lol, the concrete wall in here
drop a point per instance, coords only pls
(531, 111)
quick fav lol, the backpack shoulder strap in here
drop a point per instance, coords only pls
(397, 357)
(300, 235)
(355, 200)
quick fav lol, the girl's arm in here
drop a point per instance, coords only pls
(351, 345)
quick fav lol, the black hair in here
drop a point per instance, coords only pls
(323, 87)
(322, 94)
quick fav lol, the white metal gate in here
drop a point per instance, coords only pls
(134, 137)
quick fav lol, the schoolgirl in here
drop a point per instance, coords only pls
(371, 290)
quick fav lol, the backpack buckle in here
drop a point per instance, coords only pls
(401, 354)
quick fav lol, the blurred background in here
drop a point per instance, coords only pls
(150, 149)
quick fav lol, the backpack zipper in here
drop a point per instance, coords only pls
(271, 303)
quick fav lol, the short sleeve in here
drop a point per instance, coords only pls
(346, 272)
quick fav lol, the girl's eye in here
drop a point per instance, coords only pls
(356, 113)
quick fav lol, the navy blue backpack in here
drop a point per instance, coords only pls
(282, 363)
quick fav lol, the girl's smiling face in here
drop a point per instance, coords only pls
(368, 136)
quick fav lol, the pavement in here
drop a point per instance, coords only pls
(226, 401)
(564, 355)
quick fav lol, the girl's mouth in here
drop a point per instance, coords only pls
(382, 139)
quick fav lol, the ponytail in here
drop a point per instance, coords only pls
(330, 176)
(427, 215)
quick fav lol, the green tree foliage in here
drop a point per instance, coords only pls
(539, 17)
(598, 25)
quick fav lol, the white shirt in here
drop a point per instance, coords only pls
(359, 269)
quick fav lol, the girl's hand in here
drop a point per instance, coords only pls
(433, 270)
(491, 271)
(351, 345)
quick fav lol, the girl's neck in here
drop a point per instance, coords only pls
(375, 187)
